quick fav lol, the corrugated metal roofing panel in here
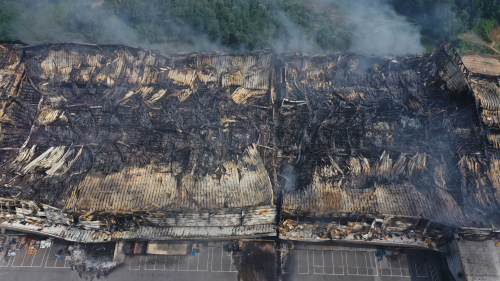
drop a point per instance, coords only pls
(150, 233)
(324, 196)
(487, 96)
(140, 188)
(241, 95)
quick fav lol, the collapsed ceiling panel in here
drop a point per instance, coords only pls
(125, 139)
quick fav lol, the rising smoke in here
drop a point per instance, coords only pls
(293, 38)
(89, 24)
(374, 26)
(378, 29)
(92, 22)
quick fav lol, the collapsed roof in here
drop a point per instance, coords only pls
(128, 142)
(114, 131)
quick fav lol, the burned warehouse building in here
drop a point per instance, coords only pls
(106, 142)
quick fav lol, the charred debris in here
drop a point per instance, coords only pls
(111, 142)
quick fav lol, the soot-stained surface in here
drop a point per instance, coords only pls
(123, 137)
(256, 261)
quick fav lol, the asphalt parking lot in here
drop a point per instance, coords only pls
(360, 264)
(215, 262)
(209, 259)
(211, 263)
(41, 258)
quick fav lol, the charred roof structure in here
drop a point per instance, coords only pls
(126, 143)
(133, 144)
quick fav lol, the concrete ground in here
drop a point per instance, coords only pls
(214, 262)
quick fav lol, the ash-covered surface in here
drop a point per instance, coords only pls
(110, 132)
(92, 260)
(89, 117)
(256, 261)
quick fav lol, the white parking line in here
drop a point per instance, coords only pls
(373, 263)
(19, 258)
(299, 263)
(170, 266)
(50, 250)
(59, 259)
(159, 263)
(341, 266)
(154, 264)
(370, 266)
(283, 266)
(434, 270)
(32, 260)
(3, 264)
(416, 267)
(45, 251)
(231, 261)
(204, 266)
(131, 262)
(188, 263)
(319, 267)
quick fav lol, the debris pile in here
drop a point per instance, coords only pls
(129, 143)
(92, 261)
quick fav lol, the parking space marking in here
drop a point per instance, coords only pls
(420, 269)
(169, 263)
(133, 266)
(64, 259)
(19, 258)
(52, 258)
(300, 265)
(361, 263)
(195, 263)
(226, 262)
(32, 258)
(203, 257)
(3, 262)
(160, 263)
(334, 262)
(28, 260)
(397, 267)
(150, 262)
(434, 270)
(318, 262)
(39, 253)
(385, 267)
(286, 260)
(405, 265)
(51, 254)
(183, 264)
(371, 263)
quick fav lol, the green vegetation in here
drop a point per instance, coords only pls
(449, 18)
(483, 26)
(469, 47)
(8, 14)
(232, 24)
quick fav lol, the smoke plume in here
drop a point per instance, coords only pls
(378, 29)
(366, 26)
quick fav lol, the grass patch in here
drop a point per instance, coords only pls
(428, 45)
(470, 47)
(483, 27)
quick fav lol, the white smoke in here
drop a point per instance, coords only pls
(378, 29)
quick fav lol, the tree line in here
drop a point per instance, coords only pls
(231, 24)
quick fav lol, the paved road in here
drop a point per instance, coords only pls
(214, 263)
